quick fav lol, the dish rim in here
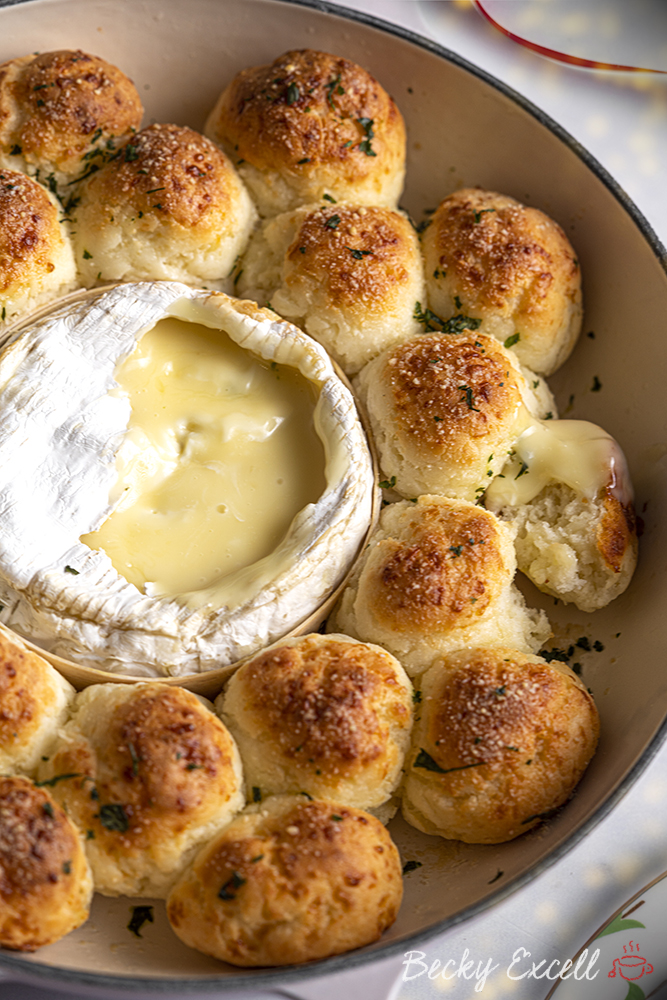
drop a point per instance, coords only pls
(263, 978)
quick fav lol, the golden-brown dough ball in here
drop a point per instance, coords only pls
(445, 410)
(311, 124)
(289, 881)
(349, 275)
(436, 576)
(34, 703)
(36, 257)
(502, 739)
(45, 882)
(489, 258)
(326, 715)
(147, 772)
(169, 206)
(62, 113)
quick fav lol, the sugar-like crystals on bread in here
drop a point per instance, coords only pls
(289, 881)
(311, 124)
(502, 739)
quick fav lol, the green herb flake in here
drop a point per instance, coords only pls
(500, 692)
(522, 471)
(131, 153)
(416, 697)
(457, 303)
(425, 760)
(70, 569)
(332, 222)
(336, 818)
(306, 159)
(256, 793)
(327, 197)
(113, 817)
(597, 384)
(253, 861)
(468, 396)
(15, 150)
(388, 484)
(456, 549)
(331, 87)
(153, 190)
(67, 867)
(499, 874)
(293, 94)
(140, 915)
(365, 144)
(90, 835)
(135, 759)
(483, 211)
(194, 767)
(511, 341)
(52, 782)
(411, 866)
(359, 254)
(231, 886)
(47, 808)
(87, 255)
(597, 646)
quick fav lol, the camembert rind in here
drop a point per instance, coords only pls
(61, 415)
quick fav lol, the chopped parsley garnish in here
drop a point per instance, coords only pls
(416, 697)
(456, 549)
(293, 94)
(70, 569)
(365, 144)
(500, 692)
(140, 915)
(359, 254)
(67, 867)
(153, 190)
(113, 817)
(333, 87)
(332, 222)
(499, 874)
(597, 646)
(584, 643)
(511, 341)
(425, 760)
(336, 818)
(48, 809)
(254, 860)
(135, 759)
(457, 302)
(478, 215)
(193, 767)
(231, 886)
(52, 782)
(388, 484)
(256, 794)
(131, 153)
(15, 150)
(87, 255)
(597, 384)
(306, 159)
(411, 866)
(90, 835)
(468, 396)
(522, 471)
(327, 197)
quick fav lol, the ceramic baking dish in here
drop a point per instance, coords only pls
(464, 128)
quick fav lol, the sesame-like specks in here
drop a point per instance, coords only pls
(293, 831)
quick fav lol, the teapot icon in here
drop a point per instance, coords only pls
(630, 967)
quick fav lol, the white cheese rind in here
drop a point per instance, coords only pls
(61, 428)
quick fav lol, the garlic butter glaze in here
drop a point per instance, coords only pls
(64, 409)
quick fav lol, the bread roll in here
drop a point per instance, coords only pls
(147, 773)
(311, 124)
(289, 881)
(490, 258)
(63, 113)
(346, 274)
(46, 885)
(445, 411)
(436, 576)
(326, 715)
(502, 739)
(36, 258)
(169, 206)
(34, 703)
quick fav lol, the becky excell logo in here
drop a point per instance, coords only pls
(522, 966)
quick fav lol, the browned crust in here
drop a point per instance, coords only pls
(304, 111)
(328, 704)
(617, 531)
(448, 389)
(29, 230)
(168, 170)
(360, 255)
(444, 575)
(66, 102)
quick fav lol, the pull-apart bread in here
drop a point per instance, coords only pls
(501, 739)
(169, 205)
(36, 257)
(148, 773)
(508, 267)
(62, 114)
(437, 576)
(446, 409)
(34, 702)
(311, 125)
(349, 275)
(324, 715)
(45, 882)
(289, 881)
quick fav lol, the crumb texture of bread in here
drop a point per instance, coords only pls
(147, 772)
(511, 267)
(436, 576)
(169, 206)
(347, 274)
(311, 124)
(34, 703)
(36, 255)
(45, 882)
(289, 881)
(502, 739)
(325, 715)
(445, 411)
(63, 113)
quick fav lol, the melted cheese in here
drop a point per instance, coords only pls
(220, 455)
(575, 452)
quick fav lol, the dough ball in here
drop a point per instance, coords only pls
(492, 259)
(147, 773)
(36, 258)
(445, 411)
(45, 883)
(436, 576)
(169, 206)
(289, 881)
(346, 274)
(502, 739)
(63, 113)
(34, 703)
(311, 124)
(326, 715)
